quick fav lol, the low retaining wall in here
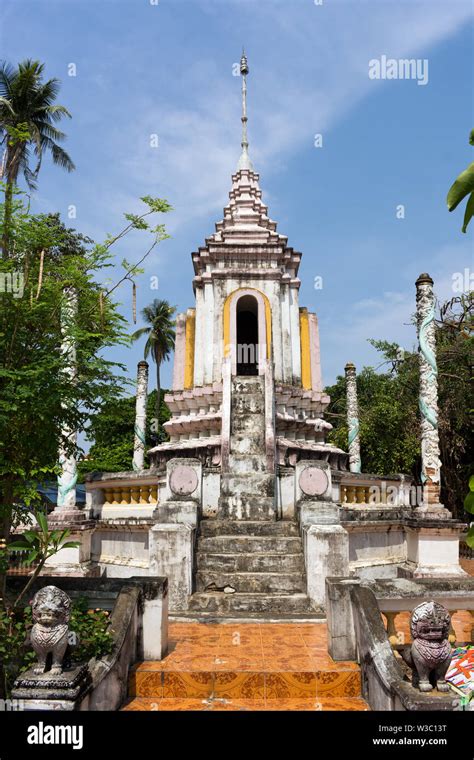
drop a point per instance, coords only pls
(356, 632)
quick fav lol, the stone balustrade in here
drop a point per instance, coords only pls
(136, 494)
(123, 494)
(371, 491)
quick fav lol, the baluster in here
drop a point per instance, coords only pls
(153, 494)
(144, 494)
(135, 494)
(125, 495)
(391, 628)
(360, 494)
(117, 495)
(351, 494)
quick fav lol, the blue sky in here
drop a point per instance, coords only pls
(166, 69)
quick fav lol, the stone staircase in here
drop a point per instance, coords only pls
(247, 489)
(246, 551)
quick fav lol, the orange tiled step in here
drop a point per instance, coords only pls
(221, 663)
(245, 684)
(245, 705)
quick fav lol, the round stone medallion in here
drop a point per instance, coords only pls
(183, 480)
(313, 481)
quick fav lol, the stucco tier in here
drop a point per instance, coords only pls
(197, 413)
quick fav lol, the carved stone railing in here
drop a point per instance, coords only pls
(122, 493)
(371, 490)
(356, 632)
(136, 494)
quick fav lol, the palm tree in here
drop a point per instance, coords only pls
(27, 122)
(160, 338)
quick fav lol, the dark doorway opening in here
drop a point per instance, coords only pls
(247, 336)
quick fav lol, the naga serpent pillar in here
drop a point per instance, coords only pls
(140, 416)
(67, 479)
(428, 394)
(352, 418)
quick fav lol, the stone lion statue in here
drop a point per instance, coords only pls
(51, 610)
(430, 653)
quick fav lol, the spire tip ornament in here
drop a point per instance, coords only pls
(244, 161)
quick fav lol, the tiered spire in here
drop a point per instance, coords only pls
(246, 216)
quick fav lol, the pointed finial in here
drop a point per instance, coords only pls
(244, 67)
(244, 161)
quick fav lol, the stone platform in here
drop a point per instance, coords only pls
(257, 666)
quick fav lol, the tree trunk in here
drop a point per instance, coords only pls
(7, 220)
(158, 396)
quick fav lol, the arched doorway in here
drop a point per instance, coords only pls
(247, 335)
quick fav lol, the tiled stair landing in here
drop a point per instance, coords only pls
(264, 666)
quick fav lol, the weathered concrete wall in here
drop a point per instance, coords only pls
(285, 493)
(326, 554)
(211, 482)
(376, 549)
(122, 549)
(171, 555)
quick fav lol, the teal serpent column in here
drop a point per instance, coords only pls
(428, 395)
(140, 416)
(352, 418)
(67, 479)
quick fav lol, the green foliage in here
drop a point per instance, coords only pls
(462, 186)
(38, 396)
(112, 430)
(28, 116)
(160, 337)
(39, 545)
(470, 537)
(160, 332)
(137, 222)
(469, 507)
(387, 414)
(93, 632)
(157, 205)
(15, 655)
(42, 543)
(37, 392)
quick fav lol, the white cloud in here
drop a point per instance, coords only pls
(387, 316)
(308, 68)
